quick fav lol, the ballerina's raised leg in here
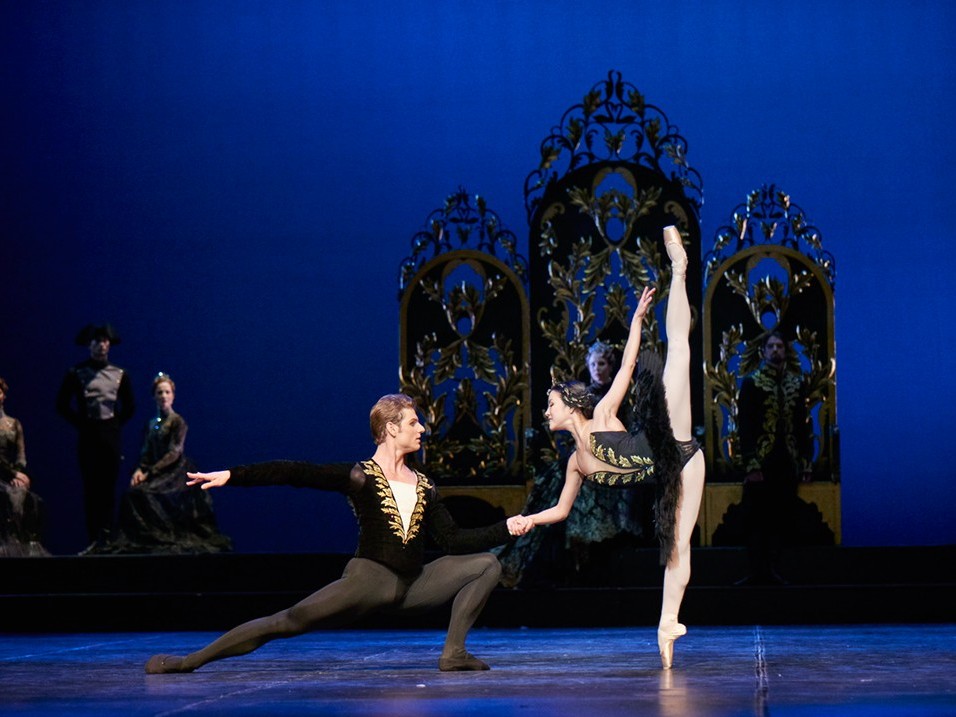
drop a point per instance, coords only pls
(676, 380)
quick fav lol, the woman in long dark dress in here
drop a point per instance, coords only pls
(160, 513)
(20, 509)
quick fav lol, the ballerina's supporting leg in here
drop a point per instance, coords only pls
(677, 390)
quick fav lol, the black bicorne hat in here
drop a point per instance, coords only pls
(95, 331)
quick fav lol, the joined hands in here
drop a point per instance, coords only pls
(520, 525)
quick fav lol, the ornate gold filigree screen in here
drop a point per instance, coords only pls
(613, 173)
(476, 353)
(768, 270)
(464, 345)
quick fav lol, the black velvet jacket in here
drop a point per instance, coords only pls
(774, 423)
(381, 535)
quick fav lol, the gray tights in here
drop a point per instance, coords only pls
(365, 587)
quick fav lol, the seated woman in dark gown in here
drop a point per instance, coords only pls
(160, 513)
(20, 509)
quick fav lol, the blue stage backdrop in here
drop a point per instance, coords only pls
(233, 184)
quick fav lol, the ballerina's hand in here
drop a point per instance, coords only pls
(644, 303)
(208, 480)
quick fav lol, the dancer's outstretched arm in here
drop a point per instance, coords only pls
(560, 510)
(338, 477)
(609, 405)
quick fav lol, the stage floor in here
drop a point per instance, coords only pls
(739, 670)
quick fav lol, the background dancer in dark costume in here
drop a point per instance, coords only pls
(776, 451)
(602, 363)
(393, 504)
(662, 450)
(97, 398)
(21, 510)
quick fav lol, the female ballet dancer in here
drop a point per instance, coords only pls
(660, 449)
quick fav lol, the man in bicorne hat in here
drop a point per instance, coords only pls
(97, 398)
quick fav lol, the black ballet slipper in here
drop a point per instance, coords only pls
(164, 664)
(464, 663)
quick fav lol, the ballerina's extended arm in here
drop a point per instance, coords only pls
(569, 492)
(608, 406)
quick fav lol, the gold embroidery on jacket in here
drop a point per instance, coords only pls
(418, 515)
(394, 517)
(781, 397)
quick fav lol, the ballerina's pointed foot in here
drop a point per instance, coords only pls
(675, 250)
(667, 633)
(165, 664)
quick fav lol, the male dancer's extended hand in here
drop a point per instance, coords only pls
(209, 480)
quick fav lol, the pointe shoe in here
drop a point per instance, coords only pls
(463, 663)
(667, 632)
(165, 664)
(675, 250)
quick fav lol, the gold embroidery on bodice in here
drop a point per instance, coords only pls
(639, 467)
